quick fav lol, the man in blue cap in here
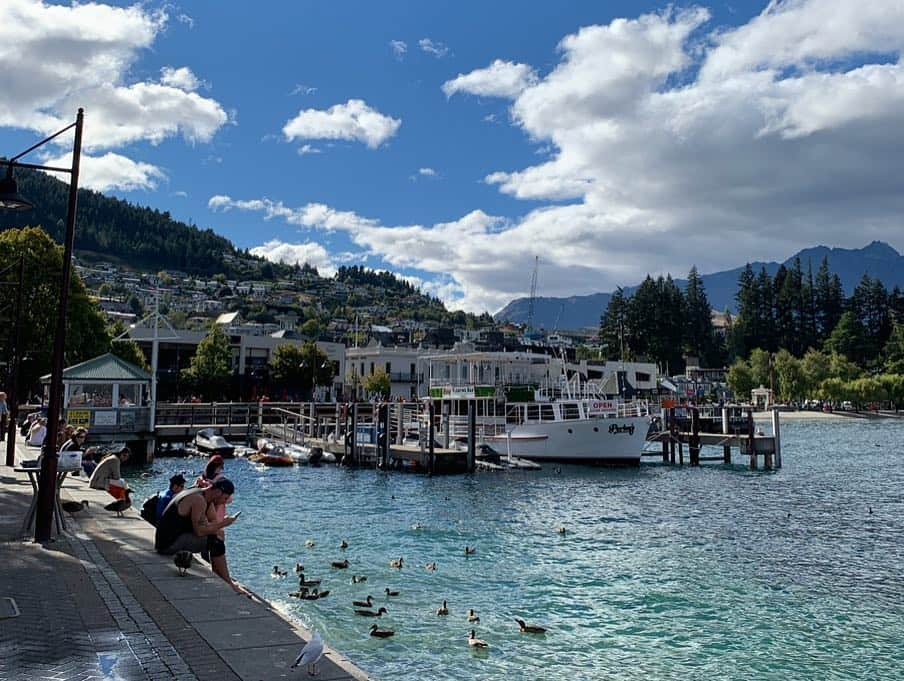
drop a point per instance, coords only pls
(186, 526)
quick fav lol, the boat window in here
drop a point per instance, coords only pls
(533, 412)
(570, 411)
(546, 413)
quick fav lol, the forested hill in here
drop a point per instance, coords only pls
(138, 237)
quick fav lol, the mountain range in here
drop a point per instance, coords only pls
(877, 259)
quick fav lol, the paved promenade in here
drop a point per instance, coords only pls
(98, 603)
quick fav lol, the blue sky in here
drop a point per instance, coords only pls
(452, 142)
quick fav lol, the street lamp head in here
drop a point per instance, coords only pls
(10, 198)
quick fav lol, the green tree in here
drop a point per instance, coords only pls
(828, 300)
(211, 367)
(842, 368)
(848, 338)
(86, 334)
(761, 370)
(311, 328)
(378, 383)
(893, 352)
(789, 374)
(126, 348)
(815, 367)
(699, 338)
(301, 368)
(740, 379)
(894, 387)
(868, 389)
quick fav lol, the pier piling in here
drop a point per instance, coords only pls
(776, 433)
(694, 444)
(472, 435)
(431, 460)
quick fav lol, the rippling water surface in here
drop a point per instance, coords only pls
(664, 572)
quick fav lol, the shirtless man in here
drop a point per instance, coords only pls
(186, 526)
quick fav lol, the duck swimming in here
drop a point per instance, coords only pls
(395, 563)
(380, 633)
(442, 610)
(358, 578)
(431, 567)
(341, 564)
(299, 568)
(277, 572)
(364, 604)
(343, 544)
(302, 581)
(470, 550)
(529, 628)
(560, 530)
(391, 593)
(309, 543)
(475, 642)
(371, 613)
(472, 617)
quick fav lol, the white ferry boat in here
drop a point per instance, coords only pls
(593, 430)
(571, 420)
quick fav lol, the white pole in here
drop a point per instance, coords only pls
(777, 437)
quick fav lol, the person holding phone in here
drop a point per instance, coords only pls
(186, 526)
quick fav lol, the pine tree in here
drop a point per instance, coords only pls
(698, 327)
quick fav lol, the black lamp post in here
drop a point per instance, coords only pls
(10, 199)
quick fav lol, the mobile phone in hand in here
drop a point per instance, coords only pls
(236, 514)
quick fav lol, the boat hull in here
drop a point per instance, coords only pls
(613, 441)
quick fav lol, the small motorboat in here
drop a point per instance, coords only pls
(208, 442)
(270, 454)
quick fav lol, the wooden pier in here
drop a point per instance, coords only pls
(749, 442)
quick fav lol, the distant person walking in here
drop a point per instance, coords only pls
(4, 416)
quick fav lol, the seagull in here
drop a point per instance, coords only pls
(74, 506)
(380, 633)
(358, 578)
(472, 617)
(343, 544)
(371, 613)
(442, 610)
(183, 560)
(120, 505)
(364, 604)
(309, 543)
(395, 563)
(528, 628)
(310, 655)
(391, 593)
(475, 642)
(470, 550)
(342, 564)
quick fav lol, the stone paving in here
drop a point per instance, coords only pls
(98, 603)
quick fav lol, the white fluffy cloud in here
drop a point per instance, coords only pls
(110, 171)
(55, 59)
(354, 120)
(676, 143)
(181, 78)
(399, 48)
(499, 79)
(309, 252)
(434, 47)
(426, 172)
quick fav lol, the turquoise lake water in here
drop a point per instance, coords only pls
(664, 572)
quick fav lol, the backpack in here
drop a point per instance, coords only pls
(149, 509)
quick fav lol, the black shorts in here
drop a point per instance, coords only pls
(211, 544)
